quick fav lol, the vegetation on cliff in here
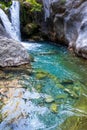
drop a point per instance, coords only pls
(5, 4)
(35, 5)
(30, 15)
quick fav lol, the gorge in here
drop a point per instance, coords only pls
(49, 94)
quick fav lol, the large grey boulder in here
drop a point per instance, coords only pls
(12, 53)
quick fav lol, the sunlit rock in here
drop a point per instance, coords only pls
(49, 99)
(12, 53)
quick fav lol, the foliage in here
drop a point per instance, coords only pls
(5, 5)
(35, 5)
(63, 1)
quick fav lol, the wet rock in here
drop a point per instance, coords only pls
(12, 53)
(31, 58)
(17, 111)
(62, 96)
(30, 21)
(81, 104)
(41, 75)
(74, 123)
(71, 93)
(30, 29)
(49, 99)
(67, 82)
(67, 24)
(0, 118)
(54, 107)
(38, 87)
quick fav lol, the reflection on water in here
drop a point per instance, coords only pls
(52, 95)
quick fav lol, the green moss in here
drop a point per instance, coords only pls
(5, 5)
(40, 76)
(62, 96)
(62, 1)
(30, 28)
(35, 5)
(38, 87)
(0, 117)
(75, 123)
(81, 104)
(31, 58)
(54, 107)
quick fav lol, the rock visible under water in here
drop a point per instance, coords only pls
(12, 53)
(54, 107)
(75, 123)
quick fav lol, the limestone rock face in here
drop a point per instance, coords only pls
(69, 24)
(12, 53)
(76, 26)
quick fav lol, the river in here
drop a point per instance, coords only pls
(51, 94)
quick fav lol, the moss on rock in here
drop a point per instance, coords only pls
(54, 107)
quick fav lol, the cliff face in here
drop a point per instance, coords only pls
(31, 21)
(68, 20)
(61, 21)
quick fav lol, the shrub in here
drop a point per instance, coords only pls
(35, 5)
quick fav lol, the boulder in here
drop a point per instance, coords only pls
(12, 53)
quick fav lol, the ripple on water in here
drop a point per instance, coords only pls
(20, 113)
(52, 97)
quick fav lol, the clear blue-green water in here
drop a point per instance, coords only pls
(52, 96)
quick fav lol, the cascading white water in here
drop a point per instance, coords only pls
(47, 10)
(15, 17)
(13, 27)
(7, 25)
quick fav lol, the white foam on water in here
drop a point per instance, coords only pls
(19, 114)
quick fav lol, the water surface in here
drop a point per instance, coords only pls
(49, 96)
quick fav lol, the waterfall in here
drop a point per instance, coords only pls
(15, 17)
(46, 4)
(13, 27)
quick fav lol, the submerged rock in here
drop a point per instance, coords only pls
(66, 82)
(75, 123)
(54, 107)
(49, 99)
(12, 53)
(81, 105)
(41, 75)
(71, 93)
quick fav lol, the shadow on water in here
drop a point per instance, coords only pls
(52, 95)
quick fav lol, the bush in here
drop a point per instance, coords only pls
(4, 4)
(35, 5)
